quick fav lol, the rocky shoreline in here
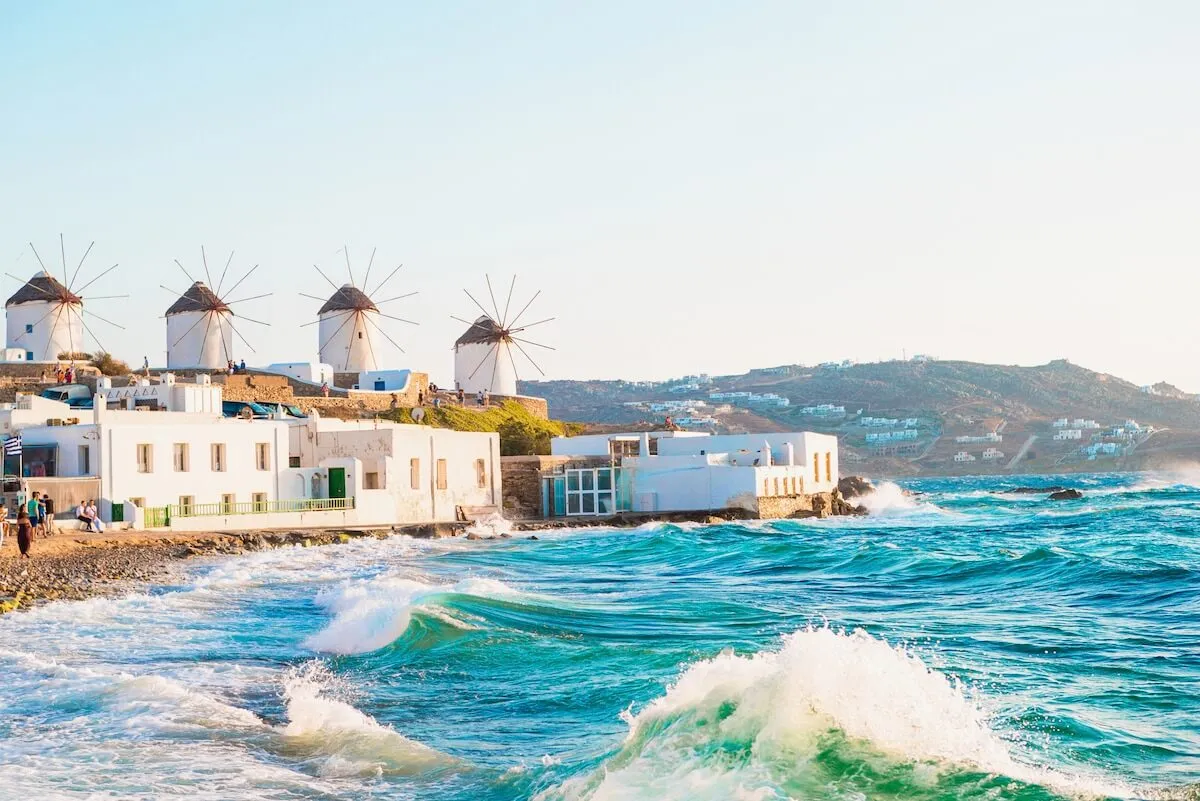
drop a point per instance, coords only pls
(73, 565)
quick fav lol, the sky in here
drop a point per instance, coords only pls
(693, 186)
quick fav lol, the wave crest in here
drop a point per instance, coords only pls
(778, 724)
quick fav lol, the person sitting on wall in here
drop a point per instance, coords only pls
(94, 514)
(82, 516)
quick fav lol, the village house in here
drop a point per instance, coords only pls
(772, 475)
(164, 455)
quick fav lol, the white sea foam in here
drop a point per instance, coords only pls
(891, 498)
(493, 525)
(779, 710)
(344, 740)
(372, 613)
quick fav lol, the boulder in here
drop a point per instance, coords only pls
(855, 486)
(1066, 495)
(1034, 490)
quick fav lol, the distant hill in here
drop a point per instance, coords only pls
(949, 399)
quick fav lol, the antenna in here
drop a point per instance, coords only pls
(350, 319)
(66, 306)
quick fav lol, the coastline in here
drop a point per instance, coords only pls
(74, 565)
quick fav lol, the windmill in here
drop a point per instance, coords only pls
(349, 321)
(200, 328)
(483, 357)
(45, 317)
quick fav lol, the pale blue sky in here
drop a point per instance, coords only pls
(695, 186)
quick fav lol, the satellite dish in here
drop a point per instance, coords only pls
(418, 414)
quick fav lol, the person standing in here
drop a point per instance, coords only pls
(487, 397)
(44, 505)
(146, 365)
(325, 388)
(31, 510)
(24, 533)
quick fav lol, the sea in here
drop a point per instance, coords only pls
(960, 642)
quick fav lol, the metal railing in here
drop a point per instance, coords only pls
(161, 516)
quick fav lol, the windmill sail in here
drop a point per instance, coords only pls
(486, 355)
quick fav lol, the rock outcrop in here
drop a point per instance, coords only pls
(1066, 495)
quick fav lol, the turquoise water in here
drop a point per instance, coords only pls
(956, 645)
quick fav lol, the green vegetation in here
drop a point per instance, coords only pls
(521, 433)
(107, 364)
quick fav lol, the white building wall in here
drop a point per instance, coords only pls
(805, 446)
(484, 367)
(387, 450)
(196, 343)
(389, 380)
(350, 345)
(55, 330)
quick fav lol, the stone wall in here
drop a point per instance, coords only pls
(535, 406)
(781, 506)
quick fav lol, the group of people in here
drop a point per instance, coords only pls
(62, 375)
(235, 367)
(35, 518)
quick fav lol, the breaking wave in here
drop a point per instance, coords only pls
(371, 614)
(787, 723)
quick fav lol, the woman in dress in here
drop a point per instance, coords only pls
(24, 532)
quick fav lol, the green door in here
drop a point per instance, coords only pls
(337, 482)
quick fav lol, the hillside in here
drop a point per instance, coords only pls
(926, 405)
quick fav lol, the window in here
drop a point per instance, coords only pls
(85, 460)
(145, 458)
(185, 503)
(138, 502)
(218, 457)
(481, 473)
(414, 473)
(262, 455)
(28, 328)
(227, 502)
(828, 466)
(28, 355)
(370, 481)
(260, 501)
(766, 486)
(817, 467)
(590, 491)
(441, 474)
(293, 461)
(776, 486)
(181, 457)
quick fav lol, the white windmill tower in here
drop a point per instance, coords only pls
(200, 323)
(45, 317)
(483, 357)
(349, 321)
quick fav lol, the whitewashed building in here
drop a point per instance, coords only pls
(963, 456)
(1068, 434)
(44, 319)
(666, 471)
(992, 454)
(179, 463)
(308, 372)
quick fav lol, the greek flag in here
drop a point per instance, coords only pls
(12, 446)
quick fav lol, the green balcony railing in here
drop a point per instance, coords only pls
(161, 516)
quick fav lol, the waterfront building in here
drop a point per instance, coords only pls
(177, 462)
(772, 475)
